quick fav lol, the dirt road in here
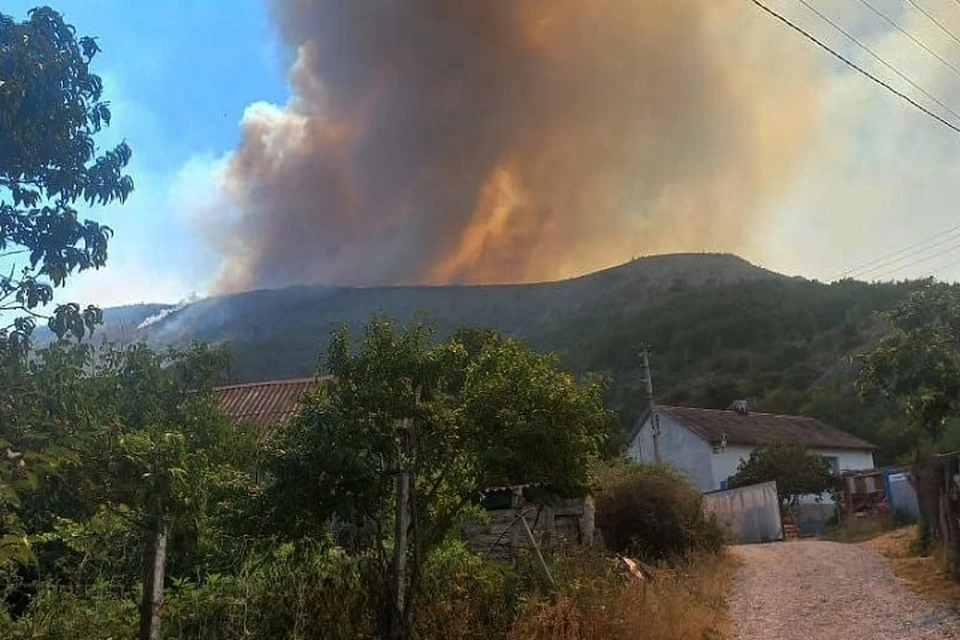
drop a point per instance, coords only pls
(812, 590)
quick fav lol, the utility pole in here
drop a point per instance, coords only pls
(400, 532)
(654, 417)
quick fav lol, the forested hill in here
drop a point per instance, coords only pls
(718, 328)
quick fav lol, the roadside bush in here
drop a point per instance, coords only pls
(296, 591)
(653, 512)
(465, 596)
(594, 600)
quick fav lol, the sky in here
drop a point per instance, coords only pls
(868, 178)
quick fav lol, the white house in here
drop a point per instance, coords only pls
(707, 445)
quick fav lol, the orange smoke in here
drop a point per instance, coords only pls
(432, 141)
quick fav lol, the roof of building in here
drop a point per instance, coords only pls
(264, 404)
(752, 428)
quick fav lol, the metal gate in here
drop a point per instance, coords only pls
(749, 514)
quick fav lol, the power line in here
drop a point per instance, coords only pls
(886, 258)
(944, 239)
(855, 66)
(933, 20)
(877, 57)
(917, 42)
(899, 268)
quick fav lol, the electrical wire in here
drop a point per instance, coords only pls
(906, 265)
(856, 67)
(895, 25)
(934, 20)
(888, 258)
(877, 57)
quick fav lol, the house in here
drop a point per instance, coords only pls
(708, 445)
(263, 404)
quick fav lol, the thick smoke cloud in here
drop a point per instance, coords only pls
(438, 141)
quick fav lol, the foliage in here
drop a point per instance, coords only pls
(797, 472)
(652, 512)
(917, 364)
(922, 541)
(459, 417)
(51, 109)
(686, 600)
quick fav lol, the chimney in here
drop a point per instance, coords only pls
(740, 406)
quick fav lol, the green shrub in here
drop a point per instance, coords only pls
(654, 513)
(465, 596)
(59, 614)
(298, 592)
(922, 542)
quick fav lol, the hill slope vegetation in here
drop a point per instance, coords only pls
(718, 329)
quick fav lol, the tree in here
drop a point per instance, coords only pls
(917, 364)
(139, 434)
(796, 471)
(51, 109)
(446, 419)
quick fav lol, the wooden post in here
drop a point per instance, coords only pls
(155, 561)
(400, 535)
(544, 570)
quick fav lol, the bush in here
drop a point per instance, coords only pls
(922, 542)
(466, 597)
(652, 512)
(595, 601)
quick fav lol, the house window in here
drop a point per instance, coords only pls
(833, 462)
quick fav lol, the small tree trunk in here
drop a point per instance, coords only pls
(398, 619)
(155, 561)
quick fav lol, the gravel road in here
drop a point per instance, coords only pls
(813, 590)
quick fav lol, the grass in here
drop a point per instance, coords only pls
(854, 530)
(924, 575)
(686, 602)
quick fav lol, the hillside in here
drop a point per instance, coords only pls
(278, 333)
(718, 328)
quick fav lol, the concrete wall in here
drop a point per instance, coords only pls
(678, 446)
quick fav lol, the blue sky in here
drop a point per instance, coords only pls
(179, 74)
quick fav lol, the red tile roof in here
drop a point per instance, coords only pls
(265, 404)
(763, 428)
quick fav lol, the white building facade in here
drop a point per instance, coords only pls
(708, 445)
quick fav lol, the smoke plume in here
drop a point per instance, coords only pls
(439, 141)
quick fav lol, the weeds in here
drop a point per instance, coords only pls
(682, 602)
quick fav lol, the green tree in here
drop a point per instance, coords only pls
(140, 439)
(796, 471)
(51, 109)
(402, 420)
(917, 363)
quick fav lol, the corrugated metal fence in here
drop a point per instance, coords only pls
(749, 514)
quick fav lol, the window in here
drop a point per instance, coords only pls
(834, 463)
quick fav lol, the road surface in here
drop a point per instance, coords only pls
(814, 590)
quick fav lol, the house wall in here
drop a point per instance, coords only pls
(678, 446)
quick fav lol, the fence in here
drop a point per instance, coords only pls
(749, 514)
(500, 536)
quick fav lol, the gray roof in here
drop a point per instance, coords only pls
(763, 428)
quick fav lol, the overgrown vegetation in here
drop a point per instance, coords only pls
(652, 512)
(134, 478)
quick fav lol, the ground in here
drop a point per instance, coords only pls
(816, 590)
